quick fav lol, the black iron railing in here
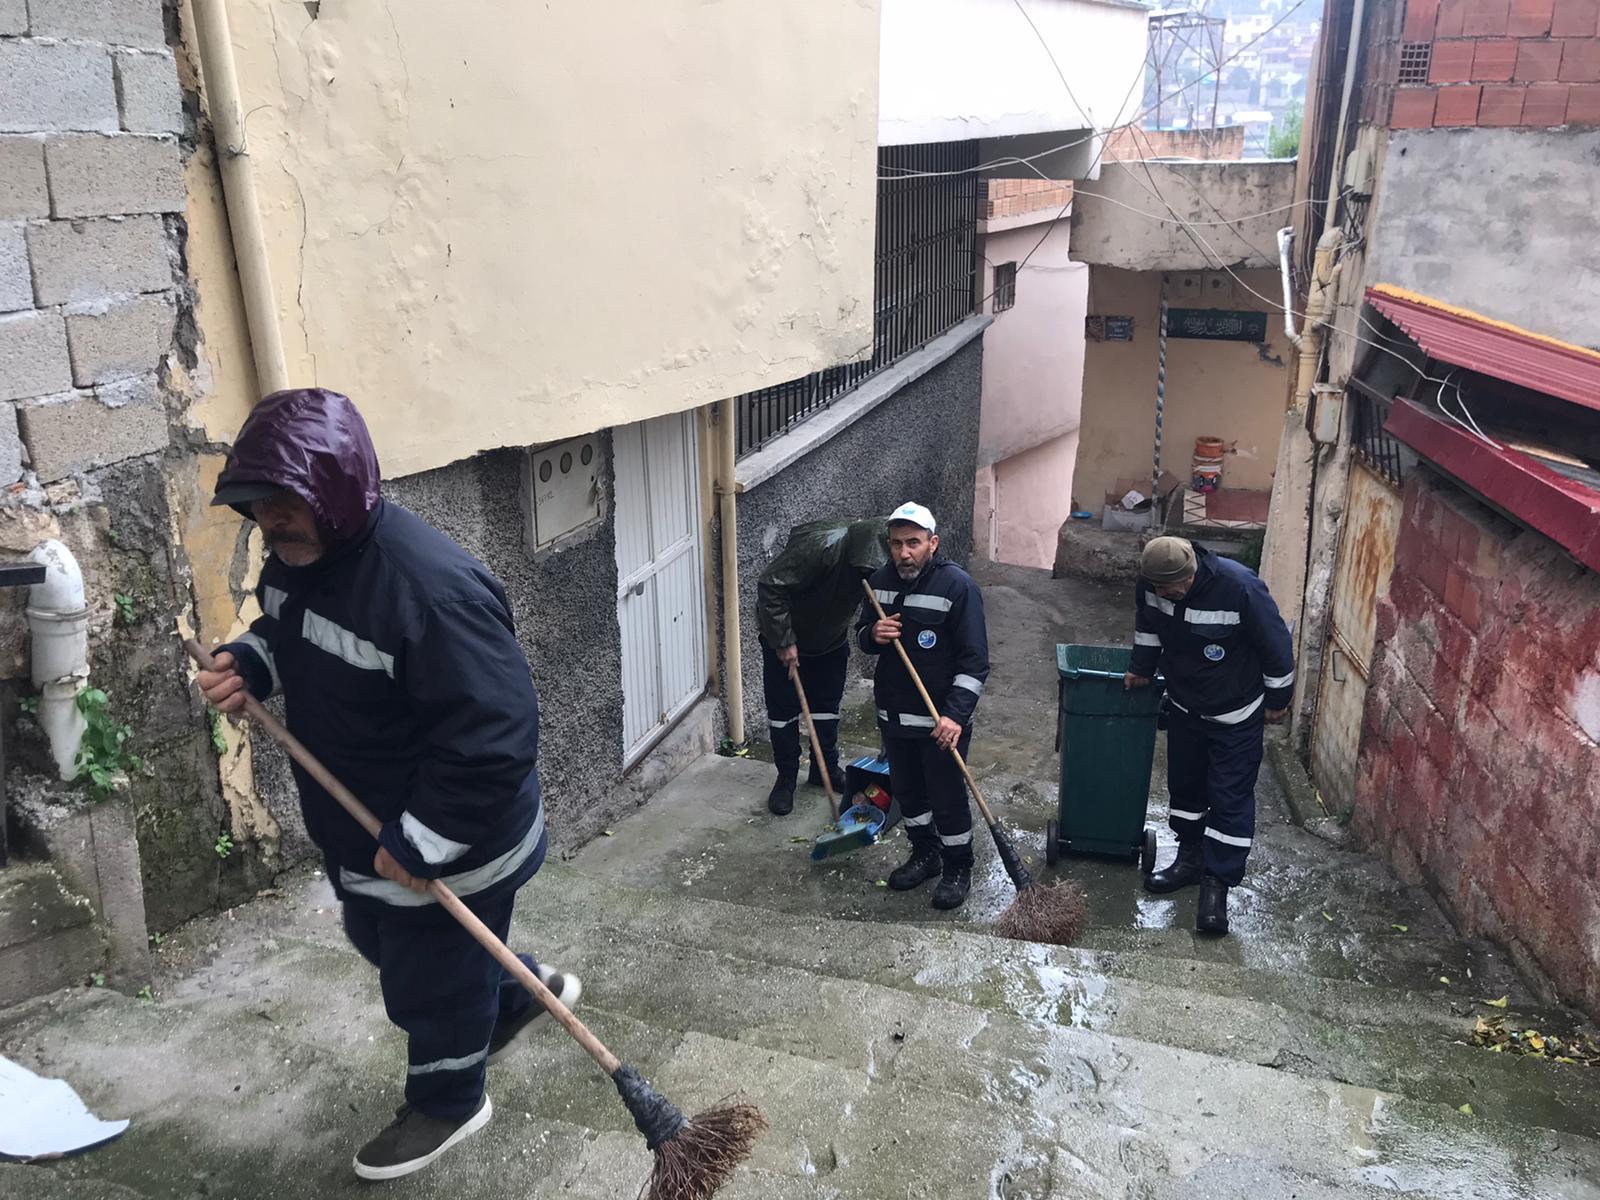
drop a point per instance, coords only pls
(1378, 449)
(922, 280)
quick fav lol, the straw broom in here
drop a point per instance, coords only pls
(1053, 913)
(694, 1156)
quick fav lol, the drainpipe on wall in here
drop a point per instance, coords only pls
(1285, 253)
(221, 85)
(58, 619)
(732, 636)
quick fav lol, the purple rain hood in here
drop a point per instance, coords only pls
(313, 442)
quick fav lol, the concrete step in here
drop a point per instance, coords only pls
(965, 1096)
(1401, 1042)
(967, 1099)
(48, 935)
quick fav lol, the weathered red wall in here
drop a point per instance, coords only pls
(1479, 768)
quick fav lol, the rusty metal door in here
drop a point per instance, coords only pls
(1361, 576)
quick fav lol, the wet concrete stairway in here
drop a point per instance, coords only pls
(898, 1052)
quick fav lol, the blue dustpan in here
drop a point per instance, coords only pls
(859, 825)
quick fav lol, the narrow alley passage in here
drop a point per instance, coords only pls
(1318, 1052)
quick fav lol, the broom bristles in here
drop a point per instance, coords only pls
(701, 1157)
(1053, 913)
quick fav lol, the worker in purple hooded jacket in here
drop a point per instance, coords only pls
(397, 660)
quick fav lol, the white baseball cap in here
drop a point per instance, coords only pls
(914, 514)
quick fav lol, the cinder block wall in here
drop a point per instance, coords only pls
(1479, 769)
(98, 362)
(91, 180)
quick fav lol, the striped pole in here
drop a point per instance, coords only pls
(1161, 403)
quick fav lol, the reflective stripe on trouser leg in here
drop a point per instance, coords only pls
(1187, 758)
(783, 711)
(910, 791)
(1234, 761)
(823, 676)
(947, 795)
(446, 992)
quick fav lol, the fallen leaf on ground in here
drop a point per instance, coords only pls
(1325, 915)
(1465, 1110)
(883, 883)
(1445, 979)
(1401, 928)
(1500, 1003)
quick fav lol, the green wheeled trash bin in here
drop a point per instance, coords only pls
(1107, 739)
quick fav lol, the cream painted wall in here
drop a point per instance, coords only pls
(1033, 353)
(1032, 395)
(1033, 496)
(499, 224)
(1221, 389)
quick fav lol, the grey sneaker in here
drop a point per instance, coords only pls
(507, 1034)
(414, 1140)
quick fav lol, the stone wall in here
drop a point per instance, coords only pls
(98, 351)
(1479, 768)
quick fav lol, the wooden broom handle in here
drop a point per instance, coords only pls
(933, 709)
(816, 742)
(485, 937)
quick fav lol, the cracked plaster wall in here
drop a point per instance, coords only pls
(557, 218)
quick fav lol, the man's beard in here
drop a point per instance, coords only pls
(295, 550)
(908, 571)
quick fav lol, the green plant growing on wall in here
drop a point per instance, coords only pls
(219, 740)
(104, 753)
(124, 606)
(224, 845)
(29, 705)
(1283, 139)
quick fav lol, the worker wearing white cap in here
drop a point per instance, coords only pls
(935, 610)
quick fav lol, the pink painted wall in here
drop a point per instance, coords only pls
(1032, 396)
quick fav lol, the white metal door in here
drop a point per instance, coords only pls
(659, 590)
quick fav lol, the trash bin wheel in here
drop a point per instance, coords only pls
(1052, 842)
(1147, 852)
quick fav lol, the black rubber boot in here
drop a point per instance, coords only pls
(922, 866)
(1184, 871)
(953, 888)
(780, 800)
(835, 776)
(1213, 915)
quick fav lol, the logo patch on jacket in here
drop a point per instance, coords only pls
(1214, 652)
(927, 639)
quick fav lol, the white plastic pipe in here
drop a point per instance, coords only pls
(1285, 253)
(58, 619)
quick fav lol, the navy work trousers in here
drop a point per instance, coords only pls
(822, 675)
(1211, 779)
(928, 786)
(445, 991)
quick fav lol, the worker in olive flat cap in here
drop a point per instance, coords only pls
(1211, 627)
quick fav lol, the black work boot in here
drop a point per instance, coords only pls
(953, 887)
(1213, 914)
(1184, 871)
(922, 866)
(780, 800)
(414, 1140)
(835, 776)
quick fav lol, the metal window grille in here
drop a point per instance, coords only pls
(922, 280)
(1415, 59)
(1379, 450)
(1005, 286)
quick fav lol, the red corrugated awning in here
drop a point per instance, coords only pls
(1564, 510)
(1491, 347)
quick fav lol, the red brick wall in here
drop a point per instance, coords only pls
(1527, 63)
(1476, 773)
